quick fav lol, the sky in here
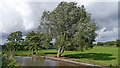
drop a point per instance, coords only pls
(25, 16)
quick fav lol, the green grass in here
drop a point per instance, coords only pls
(51, 51)
(104, 56)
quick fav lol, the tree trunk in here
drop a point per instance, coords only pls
(32, 51)
(36, 51)
(63, 48)
(29, 51)
(60, 51)
(14, 51)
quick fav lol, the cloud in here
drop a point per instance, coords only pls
(105, 15)
(25, 16)
(10, 17)
(107, 35)
(26, 12)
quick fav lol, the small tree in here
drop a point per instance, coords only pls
(9, 47)
(28, 41)
(100, 44)
(34, 41)
(15, 39)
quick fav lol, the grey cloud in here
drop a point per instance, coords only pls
(106, 16)
(37, 9)
(104, 13)
(4, 37)
(12, 20)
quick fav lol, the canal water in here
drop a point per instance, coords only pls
(37, 61)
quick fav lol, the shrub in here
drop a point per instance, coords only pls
(40, 54)
(8, 61)
(22, 54)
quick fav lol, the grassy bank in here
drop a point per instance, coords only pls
(104, 56)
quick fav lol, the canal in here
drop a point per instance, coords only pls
(37, 61)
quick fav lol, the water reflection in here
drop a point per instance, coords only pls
(36, 61)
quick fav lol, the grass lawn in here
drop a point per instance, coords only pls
(104, 56)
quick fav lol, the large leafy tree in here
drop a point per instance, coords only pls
(70, 25)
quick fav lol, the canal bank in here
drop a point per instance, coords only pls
(70, 61)
(65, 59)
(49, 61)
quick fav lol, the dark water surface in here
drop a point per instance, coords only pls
(37, 61)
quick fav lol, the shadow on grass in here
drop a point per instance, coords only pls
(51, 53)
(94, 56)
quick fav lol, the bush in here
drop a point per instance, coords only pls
(22, 54)
(40, 54)
(8, 61)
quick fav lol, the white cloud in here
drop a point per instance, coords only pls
(23, 37)
(28, 24)
(107, 35)
(16, 12)
(0, 26)
(24, 9)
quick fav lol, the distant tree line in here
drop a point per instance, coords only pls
(109, 43)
